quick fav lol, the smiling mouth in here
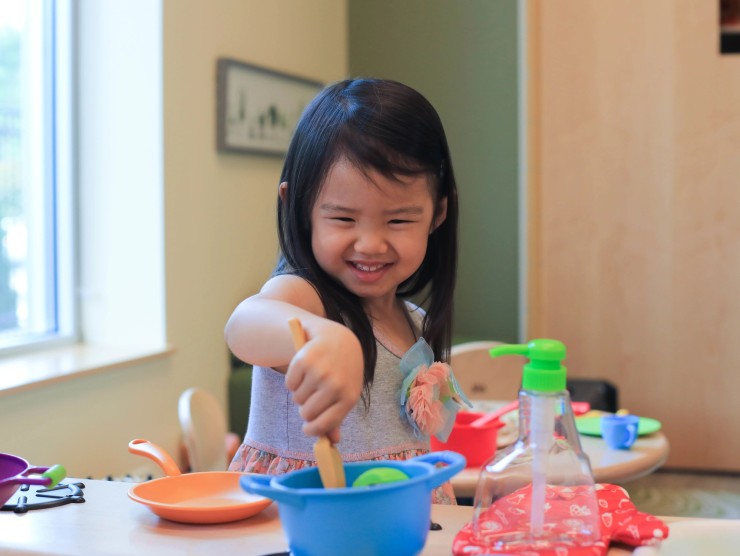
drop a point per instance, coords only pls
(369, 267)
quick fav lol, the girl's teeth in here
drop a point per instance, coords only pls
(368, 268)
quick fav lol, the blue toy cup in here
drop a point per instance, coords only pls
(620, 431)
(390, 518)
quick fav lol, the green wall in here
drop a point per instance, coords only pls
(462, 55)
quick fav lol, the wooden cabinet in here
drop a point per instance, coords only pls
(634, 210)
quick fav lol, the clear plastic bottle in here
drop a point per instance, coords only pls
(538, 494)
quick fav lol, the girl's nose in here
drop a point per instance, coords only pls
(371, 242)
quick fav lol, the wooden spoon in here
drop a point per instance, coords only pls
(331, 468)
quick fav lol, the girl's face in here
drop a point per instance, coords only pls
(370, 232)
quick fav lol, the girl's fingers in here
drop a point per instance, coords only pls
(295, 374)
(323, 395)
(308, 387)
(327, 422)
(316, 403)
(334, 437)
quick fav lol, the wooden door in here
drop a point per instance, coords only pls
(634, 210)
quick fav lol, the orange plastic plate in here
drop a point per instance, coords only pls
(207, 497)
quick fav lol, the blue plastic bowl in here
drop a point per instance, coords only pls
(379, 520)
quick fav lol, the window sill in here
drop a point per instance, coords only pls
(29, 371)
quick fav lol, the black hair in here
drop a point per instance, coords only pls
(388, 127)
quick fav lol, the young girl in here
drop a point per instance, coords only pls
(367, 216)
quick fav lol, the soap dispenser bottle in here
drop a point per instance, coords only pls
(538, 494)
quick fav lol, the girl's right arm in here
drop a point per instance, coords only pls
(325, 376)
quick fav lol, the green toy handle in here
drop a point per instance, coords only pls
(56, 473)
(40, 476)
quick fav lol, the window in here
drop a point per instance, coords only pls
(36, 258)
(100, 297)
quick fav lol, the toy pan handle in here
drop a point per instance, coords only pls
(50, 476)
(455, 463)
(260, 484)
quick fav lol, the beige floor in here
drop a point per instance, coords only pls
(687, 494)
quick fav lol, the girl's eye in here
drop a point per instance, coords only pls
(343, 219)
(401, 221)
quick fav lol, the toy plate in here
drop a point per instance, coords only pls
(591, 426)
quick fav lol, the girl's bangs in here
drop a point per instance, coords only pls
(366, 152)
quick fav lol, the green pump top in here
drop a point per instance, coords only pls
(545, 371)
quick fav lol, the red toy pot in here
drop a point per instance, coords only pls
(477, 444)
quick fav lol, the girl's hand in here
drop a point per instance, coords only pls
(326, 376)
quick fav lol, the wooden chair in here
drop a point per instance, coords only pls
(483, 377)
(209, 446)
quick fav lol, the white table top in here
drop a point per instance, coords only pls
(109, 523)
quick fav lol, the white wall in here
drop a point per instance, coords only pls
(219, 228)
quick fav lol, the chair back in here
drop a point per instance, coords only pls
(203, 424)
(483, 377)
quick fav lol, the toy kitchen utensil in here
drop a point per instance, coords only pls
(204, 497)
(16, 471)
(391, 518)
(579, 408)
(477, 444)
(490, 417)
(619, 431)
(328, 459)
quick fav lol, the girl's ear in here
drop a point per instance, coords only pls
(283, 191)
(441, 214)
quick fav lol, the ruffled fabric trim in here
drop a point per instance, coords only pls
(254, 460)
(430, 396)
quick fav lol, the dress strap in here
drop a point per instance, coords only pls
(387, 343)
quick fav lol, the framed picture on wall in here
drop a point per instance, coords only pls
(729, 25)
(258, 108)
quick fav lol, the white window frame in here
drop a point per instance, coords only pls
(49, 162)
(118, 177)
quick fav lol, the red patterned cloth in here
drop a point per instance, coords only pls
(620, 521)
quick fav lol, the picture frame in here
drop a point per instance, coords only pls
(729, 26)
(258, 108)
